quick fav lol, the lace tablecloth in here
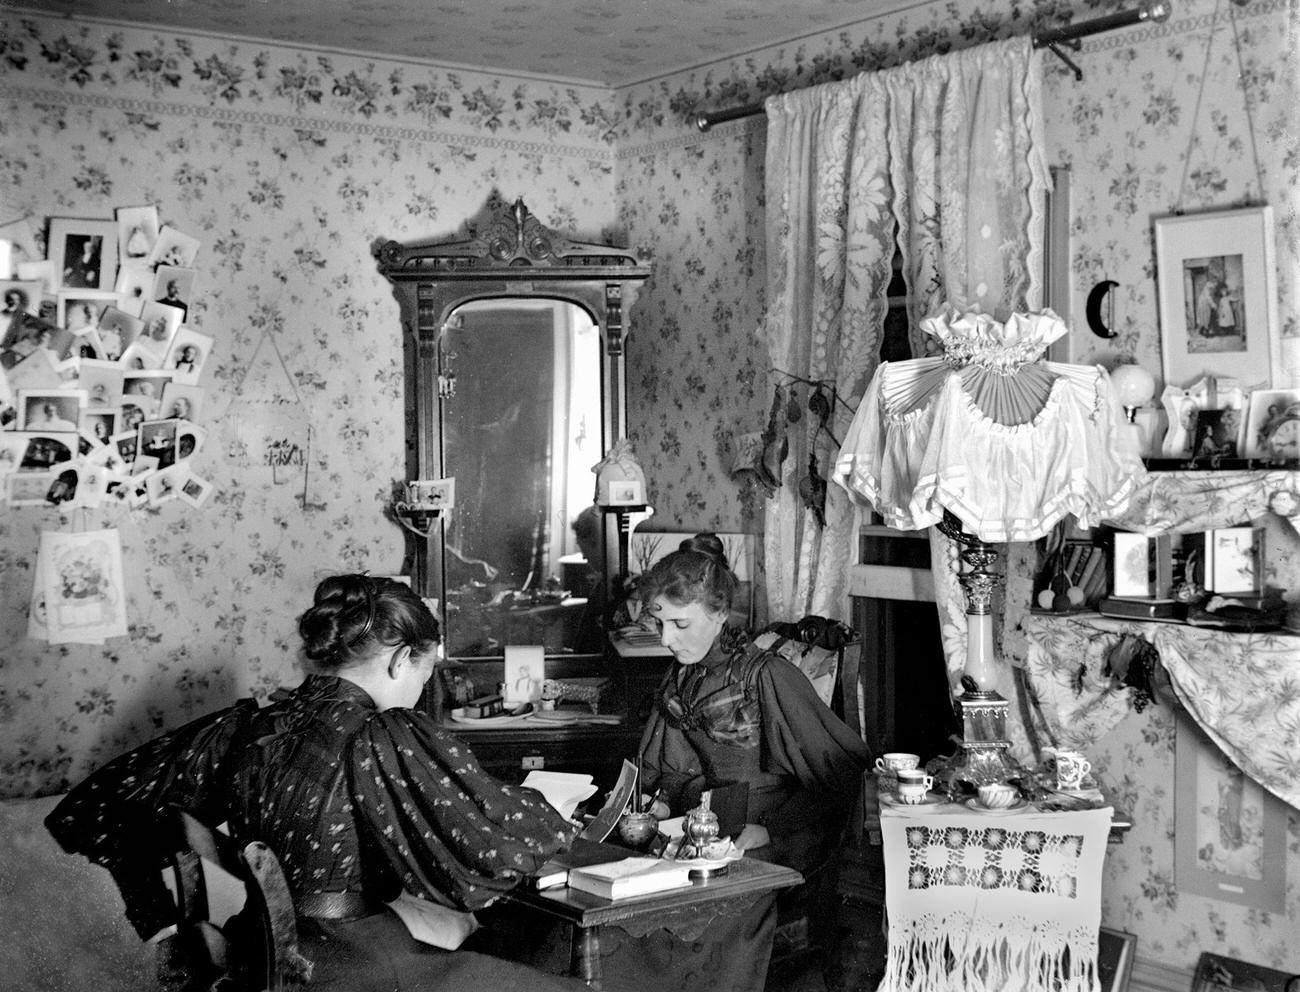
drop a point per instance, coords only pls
(982, 902)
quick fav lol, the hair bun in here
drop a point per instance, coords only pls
(706, 543)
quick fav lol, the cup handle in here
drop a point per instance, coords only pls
(880, 764)
(928, 782)
(1085, 766)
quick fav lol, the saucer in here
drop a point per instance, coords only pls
(931, 799)
(1017, 807)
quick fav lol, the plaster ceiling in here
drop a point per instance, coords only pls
(609, 42)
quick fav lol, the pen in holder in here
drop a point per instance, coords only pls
(638, 827)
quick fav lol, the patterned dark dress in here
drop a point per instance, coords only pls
(352, 800)
(745, 714)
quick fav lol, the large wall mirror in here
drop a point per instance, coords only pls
(514, 371)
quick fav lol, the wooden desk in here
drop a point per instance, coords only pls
(587, 913)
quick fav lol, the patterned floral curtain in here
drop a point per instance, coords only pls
(944, 153)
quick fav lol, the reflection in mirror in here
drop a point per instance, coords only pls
(521, 415)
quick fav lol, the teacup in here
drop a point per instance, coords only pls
(912, 793)
(894, 761)
(997, 795)
(1071, 768)
(915, 776)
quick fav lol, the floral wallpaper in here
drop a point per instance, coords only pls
(290, 166)
(288, 169)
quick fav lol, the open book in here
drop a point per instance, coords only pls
(630, 877)
(563, 790)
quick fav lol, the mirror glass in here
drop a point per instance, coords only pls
(521, 429)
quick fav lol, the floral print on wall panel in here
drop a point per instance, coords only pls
(288, 168)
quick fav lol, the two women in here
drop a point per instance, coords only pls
(359, 795)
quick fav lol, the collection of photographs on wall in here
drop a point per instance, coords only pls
(100, 402)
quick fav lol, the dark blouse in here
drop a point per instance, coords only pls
(745, 714)
(351, 799)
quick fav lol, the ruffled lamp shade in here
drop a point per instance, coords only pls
(1006, 441)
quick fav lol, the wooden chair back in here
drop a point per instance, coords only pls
(257, 949)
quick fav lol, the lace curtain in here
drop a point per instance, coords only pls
(947, 152)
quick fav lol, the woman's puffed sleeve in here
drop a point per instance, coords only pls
(119, 816)
(804, 739)
(447, 828)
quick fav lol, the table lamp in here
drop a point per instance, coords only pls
(991, 443)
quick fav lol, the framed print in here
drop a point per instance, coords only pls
(1272, 427)
(1218, 296)
(1230, 841)
(625, 492)
(137, 233)
(84, 253)
(1215, 973)
(439, 493)
(1115, 950)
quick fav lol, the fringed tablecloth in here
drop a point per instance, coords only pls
(981, 902)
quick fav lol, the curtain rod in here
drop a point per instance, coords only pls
(1154, 10)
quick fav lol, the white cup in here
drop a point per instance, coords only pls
(1071, 768)
(997, 795)
(893, 761)
(912, 793)
(915, 776)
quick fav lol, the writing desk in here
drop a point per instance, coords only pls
(673, 909)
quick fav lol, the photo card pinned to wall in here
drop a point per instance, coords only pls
(84, 252)
(49, 411)
(175, 248)
(117, 329)
(189, 351)
(161, 322)
(137, 232)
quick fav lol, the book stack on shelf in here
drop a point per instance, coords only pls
(1074, 580)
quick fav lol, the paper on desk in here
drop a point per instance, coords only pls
(563, 790)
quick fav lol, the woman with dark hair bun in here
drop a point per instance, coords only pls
(729, 711)
(361, 797)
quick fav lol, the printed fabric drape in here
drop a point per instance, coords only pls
(941, 157)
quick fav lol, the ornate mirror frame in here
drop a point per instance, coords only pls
(511, 256)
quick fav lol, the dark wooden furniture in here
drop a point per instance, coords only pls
(256, 950)
(586, 913)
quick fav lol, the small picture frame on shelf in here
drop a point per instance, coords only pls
(1234, 561)
(1183, 407)
(1115, 949)
(625, 492)
(1272, 427)
(1215, 433)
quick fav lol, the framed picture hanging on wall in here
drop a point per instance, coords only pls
(1217, 289)
(1230, 842)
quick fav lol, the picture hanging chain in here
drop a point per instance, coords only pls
(1196, 113)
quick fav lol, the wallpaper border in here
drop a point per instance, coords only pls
(225, 115)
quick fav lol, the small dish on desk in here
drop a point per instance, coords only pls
(931, 800)
(1019, 806)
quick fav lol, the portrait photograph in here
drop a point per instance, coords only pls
(117, 331)
(144, 387)
(101, 382)
(164, 485)
(21, 235)
(135, 411)
(134, 282)
(440, 493)
(181, 401)
(160, 324)
(158, 440)
(1273, 425)
(195, 490)
(1216, 290)
(175, 287)
(99, 424)
(80, 310)
(139, 356)
(137, 233)
(84, 253)
(20, 296)
(54, 411)
(189, 352)
(174, 247)
(189, 440)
